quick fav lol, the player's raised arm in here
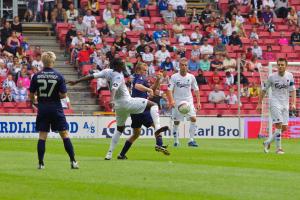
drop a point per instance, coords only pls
(196, 91)
(85, 78)
(157, 82)
(292, 89)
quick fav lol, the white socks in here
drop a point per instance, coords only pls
(175, 133)
(114, 141)
(277, 136)
(154, 112)
(192, 130)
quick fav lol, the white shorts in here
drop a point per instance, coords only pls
(279, 115)
(177, 116)
(127, 107)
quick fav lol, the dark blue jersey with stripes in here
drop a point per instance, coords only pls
(139, 79)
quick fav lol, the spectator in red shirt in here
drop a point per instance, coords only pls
(84, 55)
(249, 54)
(216, 78)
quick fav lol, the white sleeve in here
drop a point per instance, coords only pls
(101, 74)
(116, 82)
(267, 84)
(194, 84)
(171, 84)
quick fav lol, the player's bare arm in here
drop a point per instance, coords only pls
(197, 93)
(171, 102)
(261, 97)
(294, 97)
(85, 78)
(157, 82)
(144, 89)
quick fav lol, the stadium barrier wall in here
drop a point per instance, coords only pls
(103, 127)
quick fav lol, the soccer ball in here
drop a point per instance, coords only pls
(184, 107)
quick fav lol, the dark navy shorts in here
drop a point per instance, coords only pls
(138, 120)
(51, 117)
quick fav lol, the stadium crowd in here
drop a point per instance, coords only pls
(101, 31)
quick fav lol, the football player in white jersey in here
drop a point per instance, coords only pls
(180, 89)
(282, 84)
(123, 103)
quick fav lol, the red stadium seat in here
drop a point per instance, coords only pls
(222, 106)
(248, 106)
(8, 104)
(23, 105)
(28, 110)
(208, 106)
(286, 49)
(68, 111)
(164, 87)
(85, 69)
(205, 87)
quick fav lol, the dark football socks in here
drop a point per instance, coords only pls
(126, 147)
(69, 148)
(41, 150)
(159, 141)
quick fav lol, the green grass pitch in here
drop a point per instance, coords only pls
(217, 170)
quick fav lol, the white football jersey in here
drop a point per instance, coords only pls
(281, 86)
(182, 86)
(116, 81)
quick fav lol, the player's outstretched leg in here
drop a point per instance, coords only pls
(69, 149)
(192, 130)
(114, 141)
(128, 143)
(41, 148)
(175, 133)
(279, 149)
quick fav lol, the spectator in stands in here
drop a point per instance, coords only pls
(181, 50)
(239, 18)
(9, 82)
(111, 54)
(6, 96)
(269, 54)
(256, 6)
(48, 8)
(5, 32)
(162, 6)
(253, 65)
(37, 62)
(80, 25)
(229, 63)
(283, 41)
(22, 77)
(253, 19)
(132, 53)
(206, 48)
(231, 27)
(231, 98)
(101, 60)
(13, 43)
(177, 28)
(165, 78)
(243, 79)
(141, 47)
(72, 14)
(219, 48)
(105, 48)
(205, 13)
(88, 18)
(161, 55)
(17, 26)
(292, 17)
(147, 56)
(165, 41)
(249, 53)
(281, 8)
(167, 65)
(84, 54)
(194, 64)
(196, 36)
(179, 7)
(3, 69)
(70, 35)
(216, 96)
(132, 10)
(16, 67)
(295, 37)
(269, 3)
(176, 62)
(20, 93)
(108, 12)
(232, 11)
(267, 16)
(217, 63)
(204, 63)
(59, 14)
(195, 51)
(254, 90)
(92, 30)
(234, 39)
(256, 50)
(200, 78)
(93, 5)
(224, 37)
(138, 23)
(229, 79)
(117, 29)
(184, 38)
(253, 34)
(104, 31)
(195, 17)
(143, 7)
(163, 104)
(169, 15)
(244, 90)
